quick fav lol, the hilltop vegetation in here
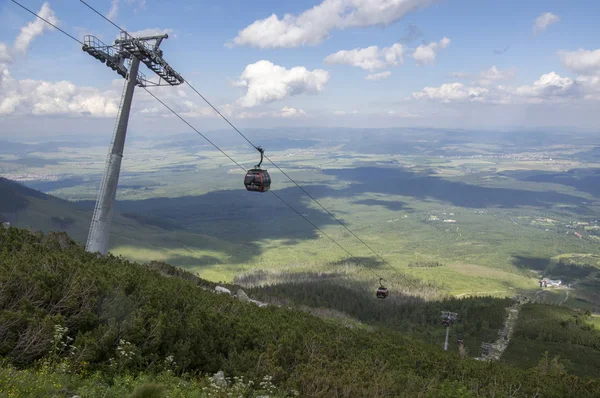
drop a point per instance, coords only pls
(480, 318)
(91, 322)
(556, 331)
(486, 208)
(515, 199)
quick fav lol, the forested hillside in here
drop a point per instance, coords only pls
(77, 320)
(479, 320)
(557, 331)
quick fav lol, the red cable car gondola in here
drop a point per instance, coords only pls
(382, 292)
(257, 180)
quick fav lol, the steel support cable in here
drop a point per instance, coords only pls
(257, 148)
(250, 142)
(213, 144)
(48, 22)
(244, 169)
(107, 19)
(301, 188)
(273, 163)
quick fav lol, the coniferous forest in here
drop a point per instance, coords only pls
(73, 322)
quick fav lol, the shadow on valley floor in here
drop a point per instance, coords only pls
(233, 215)
(190, 261)
(247, 218)
(530, 263)
(570, 272)
(396, 181)
(593, 155)
(351, 262)
(388, 204)
(584, 180)
(564, 269)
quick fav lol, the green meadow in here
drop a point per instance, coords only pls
(497, 216)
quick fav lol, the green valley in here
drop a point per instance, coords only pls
(77, 323)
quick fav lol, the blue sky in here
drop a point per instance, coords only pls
(521, 92)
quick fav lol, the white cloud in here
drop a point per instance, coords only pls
(379, 76)
(141, 3)
(494, 74)
(403, 114)
(582, 61)
(35, 28)
(461, 75)
(5, 53)
(589, 87)
(152, 32)
(487, 77)
(292, 112)
(543, 21)
(188, 105)
(425, 53)
(285, 112)
(396, 114)
(452, 92)
(266, 82)
(114, 9)
(314, 25)
(547, 86)
(21, 99)
(343, 113)
(369, 58)
(36, 97)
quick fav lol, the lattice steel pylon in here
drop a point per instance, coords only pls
(448, 318)
(134, 50)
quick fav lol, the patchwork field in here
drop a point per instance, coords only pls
(497, 212)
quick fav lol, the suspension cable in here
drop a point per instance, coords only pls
(244, 169)
(48, 22)
(266, 157)
(229, 157)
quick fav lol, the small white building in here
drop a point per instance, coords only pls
(545, 282)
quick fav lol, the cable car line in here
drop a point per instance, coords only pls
(273, 163)
(382, 292)
(301, 188)
(48, 22)
(229, 157)
(107, 19)
(214, 145)
(274, 193)
(257, 179)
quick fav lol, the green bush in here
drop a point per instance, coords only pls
(76, 318)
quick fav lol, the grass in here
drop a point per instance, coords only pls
(596, 321)
(479, 249)
(110, 325)
(56, 382)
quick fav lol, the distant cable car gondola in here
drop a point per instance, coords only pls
(382, 292)
(258, 180)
